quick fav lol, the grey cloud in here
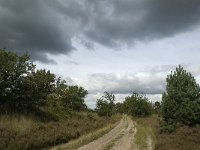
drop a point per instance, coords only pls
(32, 26)
(147, 83)
(131, 20)
(49, 26)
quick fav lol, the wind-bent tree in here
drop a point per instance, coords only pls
(181, 102)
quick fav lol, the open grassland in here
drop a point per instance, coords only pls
(24, 132)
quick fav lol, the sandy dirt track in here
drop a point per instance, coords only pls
(119, 138)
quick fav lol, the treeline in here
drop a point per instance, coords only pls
(137, 105)
(23, 88)
(180, 103)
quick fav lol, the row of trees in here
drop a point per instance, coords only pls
(136, 105)
(180, 103)
(23, 88)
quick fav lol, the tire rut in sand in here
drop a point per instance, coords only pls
(105, 139)
(126, 142)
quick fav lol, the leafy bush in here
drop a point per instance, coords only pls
(137, 105)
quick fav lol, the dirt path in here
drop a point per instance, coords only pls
(119, 138)
(126, 141)
(149, 144)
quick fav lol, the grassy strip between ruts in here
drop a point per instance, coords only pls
(146, 130)
(112, 143)
(85, 139)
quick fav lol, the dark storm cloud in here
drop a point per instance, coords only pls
(130, 20)
(31, 26)
(49, 26)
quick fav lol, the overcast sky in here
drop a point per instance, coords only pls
(106, 45)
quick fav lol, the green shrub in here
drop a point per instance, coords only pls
(137, 105)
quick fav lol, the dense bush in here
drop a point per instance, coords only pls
(137, 105)
(73, 98)
(181, 102)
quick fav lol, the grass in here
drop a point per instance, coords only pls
(27, 133)
(184, 138)
(85, 139)
(18, 124)
(146, 130)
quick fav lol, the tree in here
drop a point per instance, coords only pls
(36, 88)
(23, 89)
(73, 97)
(181, 101)
(105, 104)
(157, 107)
(14, 70)
(119, 107)
(137, 105)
